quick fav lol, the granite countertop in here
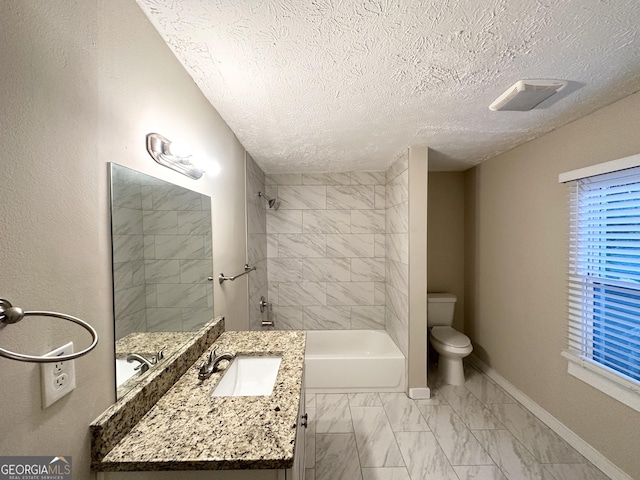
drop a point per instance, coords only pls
(189, 429)
(148, 344)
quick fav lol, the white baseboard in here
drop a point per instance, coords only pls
(590, 453)
(419, 393)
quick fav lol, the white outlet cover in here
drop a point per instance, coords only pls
(57, 379)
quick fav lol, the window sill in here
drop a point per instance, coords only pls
(604, 380)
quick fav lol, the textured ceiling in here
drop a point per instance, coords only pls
(337, 85)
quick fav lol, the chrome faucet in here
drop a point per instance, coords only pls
(209, 365)
(144, 363)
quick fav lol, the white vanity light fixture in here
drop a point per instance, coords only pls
(172, 155)
(524, 95)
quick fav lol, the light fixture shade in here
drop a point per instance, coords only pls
(159, 149)
(526, 94)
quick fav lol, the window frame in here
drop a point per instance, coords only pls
(599, 376)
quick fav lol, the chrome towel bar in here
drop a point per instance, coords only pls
(247, 269)
(10, 314)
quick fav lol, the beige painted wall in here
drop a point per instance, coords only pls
(83, 82)
(418, 195)
(446, 238)
(516, 262)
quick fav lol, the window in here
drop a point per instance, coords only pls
(604, 281)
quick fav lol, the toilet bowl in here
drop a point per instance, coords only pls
(452, 346)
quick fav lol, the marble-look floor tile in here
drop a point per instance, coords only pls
(471, 410)
(484, 389)
(479, 472)
(583, 471)
(403, 413)
(540, 440)
(511, 456)
(333, 415)
(435, 400)
(423, 456)
(455, 439)
(364, 400)
(377, 446)
(389, 473)
(310, 439)
(337, 457)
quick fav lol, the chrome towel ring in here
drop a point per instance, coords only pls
(10, 314)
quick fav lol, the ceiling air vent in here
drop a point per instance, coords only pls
(526, 94)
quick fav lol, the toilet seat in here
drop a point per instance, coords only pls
(451, 337)
(450, 341)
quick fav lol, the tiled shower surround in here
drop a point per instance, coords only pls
(327, 265)
(326, 250)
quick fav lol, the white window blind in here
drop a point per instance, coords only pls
(604, 272)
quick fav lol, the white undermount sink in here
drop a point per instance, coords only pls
(248, 376)
(125, 370)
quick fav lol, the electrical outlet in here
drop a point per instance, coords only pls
(57, 378)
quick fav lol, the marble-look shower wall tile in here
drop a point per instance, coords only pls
(367, 269)
(397, 219)
(343, 178)
(326, 221)
(350, 293)
(326, 270)
(398, 303)
(380, 246)
(381, 194)
(256, 247)
(397, 275)
(398, 166)
(302, 294)
(254, 169)
(397, 191)
(193, 319)
(168, 197)
(159, 222)
(368, 178)
(284, 221)
(294, 245)
(135, 322)
(126, 194)
(301, 197)
(178, 247)
(151, 296)
(126, 221)
(130, 300)
(283, 179)
(368, 221)
(326, 318)
(122, 276)
(256, 218)
(367, 317)
(194, 222)
(379, 293)
(354, 245)
(127, 248)
(164, 319)
(352, 197)
(182, 295)
(284, 270)
(272, 246)
(162, 271)
(287, 318)
(259, 277)
(397, 247)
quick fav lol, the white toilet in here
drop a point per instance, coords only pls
(451, 345)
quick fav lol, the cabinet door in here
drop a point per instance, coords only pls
(297, 471)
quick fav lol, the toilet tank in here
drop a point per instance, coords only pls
(440, 307)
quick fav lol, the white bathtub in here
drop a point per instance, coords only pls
(351, 361)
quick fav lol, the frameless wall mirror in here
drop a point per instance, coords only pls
(162, 270)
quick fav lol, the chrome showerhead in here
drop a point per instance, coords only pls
(271, 202)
